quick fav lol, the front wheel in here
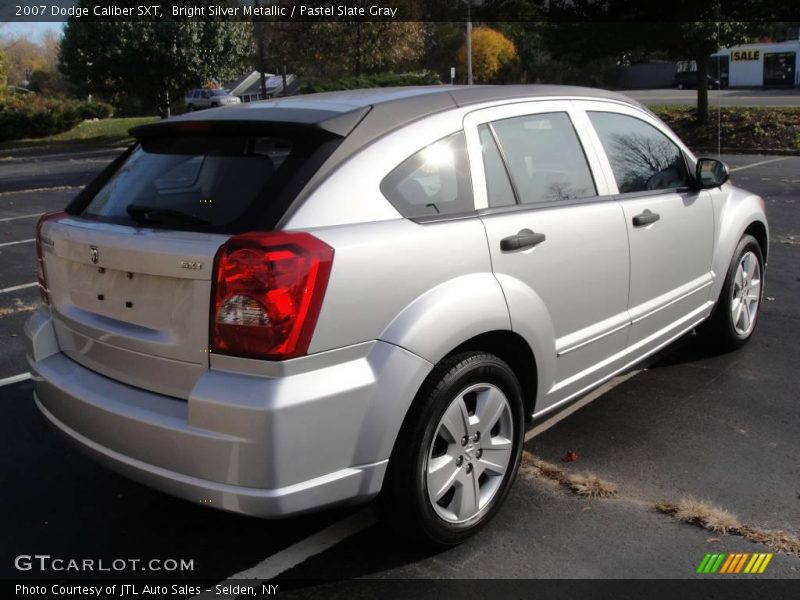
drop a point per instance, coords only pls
(458, 451)
(734, 318)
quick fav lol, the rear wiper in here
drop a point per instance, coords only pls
(153, 214)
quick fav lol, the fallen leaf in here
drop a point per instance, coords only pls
(570, 456)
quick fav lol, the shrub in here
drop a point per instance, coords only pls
(371, 81)
(32, 116)
(95, 110)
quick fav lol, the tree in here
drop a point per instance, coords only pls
(697, 41)
(346, 47)
(150, 62)
(491, 51)
(2, 75)
(23, 56)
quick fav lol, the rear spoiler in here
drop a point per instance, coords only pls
(249, 119)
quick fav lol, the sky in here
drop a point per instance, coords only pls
(32, 31)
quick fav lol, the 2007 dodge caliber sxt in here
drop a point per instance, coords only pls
(281, 306)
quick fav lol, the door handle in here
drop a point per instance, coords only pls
(645, 218)
(524, 239)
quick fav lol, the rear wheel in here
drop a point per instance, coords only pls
(458, 451)
(735, 317)
(190, 107)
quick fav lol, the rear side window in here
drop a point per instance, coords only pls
(545, 158)
(434, 181)
(642, 158)
(221, 183)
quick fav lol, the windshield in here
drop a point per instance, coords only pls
(209, 182)
(219, 92)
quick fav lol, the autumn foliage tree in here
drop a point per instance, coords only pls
(491, 52)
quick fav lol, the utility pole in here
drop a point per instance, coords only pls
(261, 46)
(469, 42)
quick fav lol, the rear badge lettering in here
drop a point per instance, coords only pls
(190, 264)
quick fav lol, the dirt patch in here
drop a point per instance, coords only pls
(585, 484)
(18, 307)
(706, 515)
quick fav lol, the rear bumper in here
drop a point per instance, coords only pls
(266, 446)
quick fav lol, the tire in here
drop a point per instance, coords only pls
(732, 323)
(214, 105)
(429, 461)
(190, 107)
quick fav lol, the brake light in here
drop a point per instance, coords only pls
(268, 291)
(44, 291)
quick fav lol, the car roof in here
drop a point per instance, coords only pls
(339, 112)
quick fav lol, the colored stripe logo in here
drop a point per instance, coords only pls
(742, 562)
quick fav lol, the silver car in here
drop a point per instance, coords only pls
(288, 305)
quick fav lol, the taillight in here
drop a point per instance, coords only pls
(268, 290)
(44, 291)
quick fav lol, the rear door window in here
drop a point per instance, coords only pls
(434, 181)
(221, 183)
(545, 158)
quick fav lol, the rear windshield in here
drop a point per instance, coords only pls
(224, 183)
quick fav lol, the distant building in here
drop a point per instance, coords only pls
(758, 65)
(248, 86)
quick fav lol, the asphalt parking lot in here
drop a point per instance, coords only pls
(721, 428)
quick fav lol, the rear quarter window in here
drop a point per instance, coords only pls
(433, 181)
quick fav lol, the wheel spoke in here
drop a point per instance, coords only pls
(494, 460)
(745, 319)
(736, 311)
(738, 282)
(466, 499)
(456, 421)
(442, 473)
(490, 406)
(750, 263)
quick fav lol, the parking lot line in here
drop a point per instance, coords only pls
(590, 397)
(17, 242)
(15, 379)
(758, 164)
(55, 188)
(15, 288)
(282, 561)
(30, 216)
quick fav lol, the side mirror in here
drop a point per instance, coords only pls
(711, 172)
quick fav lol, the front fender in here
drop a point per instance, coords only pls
(736, 211)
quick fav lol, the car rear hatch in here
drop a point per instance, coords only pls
(129, 268)
(130, 303)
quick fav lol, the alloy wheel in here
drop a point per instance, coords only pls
(746, 294)
(471, 451)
